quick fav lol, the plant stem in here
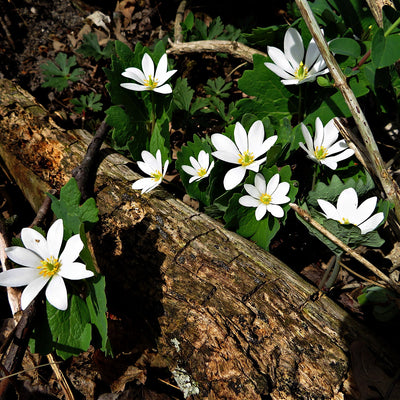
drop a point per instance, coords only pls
(389, 186)
(153, 114)
(392, 27)
(299, 110)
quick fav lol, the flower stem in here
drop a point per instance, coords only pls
(299, 110)
(392, 27)
(315, 174)
(153, 114)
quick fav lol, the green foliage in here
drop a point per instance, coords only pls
(90, 47)
(383, 301)
(385, 51)
(68, 208)
(87, 102)
(195, 29)
(58, 74)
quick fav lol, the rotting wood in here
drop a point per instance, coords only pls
(236, 319)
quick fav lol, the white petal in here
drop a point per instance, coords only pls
(241, 140)
(329, 210)
(255, 165)
(196, 178)
(224, 144)
(56, 293)
(307, 138)
(273, 184)
(265, 146)
(310, 154)
(331, 133)
(162, 79)
(312, 54)
(260, 184)
(319, 133)
(209, 169)
(189, 170)
(279, 71)
(18, 276)
(275, 210)
(293, 47)
(249, 201)
(75, 271)
(279, 196)
(55, 238)
(329, 162)
(164, 89)
(195, 163)
(292, 81)
(227, 157)
(145, 184)
(256, 135)
(364, 211)
(347, 204)
(72, 249)
(164, 169)
(146, 168)
(134, 73)
(280, 60)
(319, 67)
(252, 191)
(371, 223)
(150, 160)
(204, 159)
(261, 210)
(133, 86)
(23, 256)
(233, 177)
(147, 66)
(35, 241)
(342, 156)
(337, 147)
(32, 290)
(162, 66)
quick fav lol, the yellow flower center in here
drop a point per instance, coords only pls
(246, 158)
(201, 171)
(49, 267)
(344, 221)
(157, 175)
(265, 198)
(151, 83)
(320, 152)
(301, 72)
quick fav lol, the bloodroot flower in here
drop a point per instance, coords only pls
(151, 166)
(146, 79)
(200, 168)
(325, 149)
(348, 212)
(266, 197)
(43, 265)
(289, 64)
(244, 151)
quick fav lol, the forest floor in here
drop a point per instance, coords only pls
(34, 31)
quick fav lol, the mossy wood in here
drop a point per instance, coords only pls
(228, 314)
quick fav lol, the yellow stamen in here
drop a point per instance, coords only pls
(246, 158)
(265, 198)
(151, 83)
(49, 267)
(301, 72)
(320, 152)
(157, 175)
(201, 171)
(344, 221)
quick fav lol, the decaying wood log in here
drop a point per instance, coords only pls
(220, 310)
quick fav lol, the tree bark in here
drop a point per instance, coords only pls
(226, 315)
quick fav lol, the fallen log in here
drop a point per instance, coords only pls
(230, 320)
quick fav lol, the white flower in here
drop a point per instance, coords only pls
(348, 212)
(266, 197)
(290, 65)
(200, 168)
(325, 144)
(151, 166)
(42, 265)
(243, 151)
(146, 78)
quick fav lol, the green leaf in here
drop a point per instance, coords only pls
(68, 208)
(90, 47)
(182, 94)
(271, 98)
(385, 51)
(160, 138)
(96, 302)
(70, 329)
(346, 47)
